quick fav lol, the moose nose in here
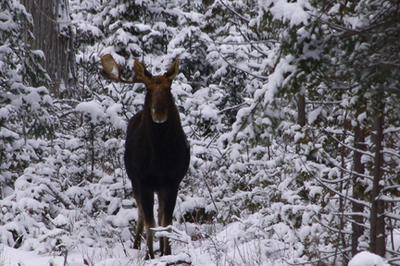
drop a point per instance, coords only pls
(158, 115)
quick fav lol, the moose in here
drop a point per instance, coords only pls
(157, 153)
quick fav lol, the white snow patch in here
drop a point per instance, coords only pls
(114, 257)
(60, 220)
(114, 112)
(190, 204)
(362, 117)
(93, 109)
(124, 216)
(208, 113)
(295, 13)
(366, 258)
(276, 79)
(313, 115)
(396, 239)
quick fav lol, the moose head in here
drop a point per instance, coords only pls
(158, 87)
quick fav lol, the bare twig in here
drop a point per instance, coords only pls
(235, 12)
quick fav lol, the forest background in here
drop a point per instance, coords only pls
(291, 109)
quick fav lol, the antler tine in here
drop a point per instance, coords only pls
(111, 70)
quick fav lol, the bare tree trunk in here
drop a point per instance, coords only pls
(301, 104)
(377, 218)
(53, 35)
(358, 189)
(301, 108)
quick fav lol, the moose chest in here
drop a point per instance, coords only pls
(158, 157)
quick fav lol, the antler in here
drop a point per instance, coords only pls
(112, 70)
(173, 70)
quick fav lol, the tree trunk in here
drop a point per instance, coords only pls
(377, 219)
(53, 35)
(301, 104)
(358, 189)
(301, 108)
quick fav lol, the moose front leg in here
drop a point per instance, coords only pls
(147, 200)
(168, 196)
(160, 218)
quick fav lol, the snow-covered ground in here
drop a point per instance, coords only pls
(99, 257)
(116, 257)
(238, 243)
(17, 257)
(231, 246)
(366, 258)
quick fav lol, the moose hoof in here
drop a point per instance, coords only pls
(149, 256)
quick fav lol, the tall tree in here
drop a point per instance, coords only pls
(53, 35)
(22, 96)
(377, 216)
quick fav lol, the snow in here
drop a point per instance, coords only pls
(366, 258)
(40, 54)
(60, 220)
(293, 12)
(124, 217)
(93, 109)
(313, 115)
(13, 257)
(5, 133)
(114, 113)
(361, 118)
(7, 25)
(277, 78)
(189, 204)
(87, 28)
(17, 257)
(396, 239)
(142, 27)
(208, 112)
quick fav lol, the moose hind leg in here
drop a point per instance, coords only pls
(169, 199)
(139, 230)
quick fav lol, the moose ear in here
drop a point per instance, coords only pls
(141, 73)
(173, 70)
(110, 67)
